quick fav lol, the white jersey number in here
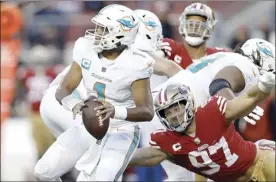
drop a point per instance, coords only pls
(207, 161)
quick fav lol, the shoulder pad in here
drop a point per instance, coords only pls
(81, 46)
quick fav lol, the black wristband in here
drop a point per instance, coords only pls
(217, 85)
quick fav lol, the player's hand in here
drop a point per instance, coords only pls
(267, 81)
(107, 109)
(77, 109)
(165, 46)
(254, 116)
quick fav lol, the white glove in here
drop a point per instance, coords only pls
(165, 46)
(77, 109)
(255, 115)
(73, 104)
(267, 81)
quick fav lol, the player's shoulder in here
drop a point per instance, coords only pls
(81, 42)
(214, 104)
(158, 137)
(139, 60)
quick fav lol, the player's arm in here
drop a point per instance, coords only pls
(246, 102)
(141, 94)
(227, 81)
(69, 83)
(164, 66)
(148, 157)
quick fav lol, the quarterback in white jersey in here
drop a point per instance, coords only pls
(119, 76)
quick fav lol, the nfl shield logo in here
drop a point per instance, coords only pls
(103, 69)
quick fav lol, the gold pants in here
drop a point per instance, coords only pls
(261, 166)
(42, 135)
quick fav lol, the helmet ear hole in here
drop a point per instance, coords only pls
(148, 36)
(120, 37)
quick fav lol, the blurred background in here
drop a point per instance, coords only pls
(36, 44)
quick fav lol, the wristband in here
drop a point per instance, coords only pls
(120, 113)
(69, 102)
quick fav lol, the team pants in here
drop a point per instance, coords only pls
(107, 160)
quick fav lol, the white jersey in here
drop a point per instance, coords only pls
(111, 80)
(189, 79)
(79, 92)
(209, 66)
(199, 75)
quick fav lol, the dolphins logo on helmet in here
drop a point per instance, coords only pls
(127, 23)
(264, 49)
(150, 24)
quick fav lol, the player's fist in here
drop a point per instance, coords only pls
(77, 109)
(254, 116)
(267, 81)
(165, 46)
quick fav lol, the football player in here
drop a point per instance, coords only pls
(100, 58)
(59, 120)
(196, 25)
(217, 72)
(204, 139)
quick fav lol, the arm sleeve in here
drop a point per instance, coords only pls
(216, 107)
(78, 50)
(173, 47)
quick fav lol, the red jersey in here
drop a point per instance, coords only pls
(262, 129)
(181, 56)
(36, 82)
(217, 151)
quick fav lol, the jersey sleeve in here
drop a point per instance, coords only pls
(214, 109)
(217, 104)
(157, 138)
(161, 139)
(143, 67)
(173, 46)
(78, 50)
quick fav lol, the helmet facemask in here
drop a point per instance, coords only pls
(195, 29)
(102, 37)
(197, 24)
(177, 116)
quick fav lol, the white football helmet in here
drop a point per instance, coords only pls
(196, 32)
(150, 31)
(261, 52)
(115, 25)
(179, 98)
